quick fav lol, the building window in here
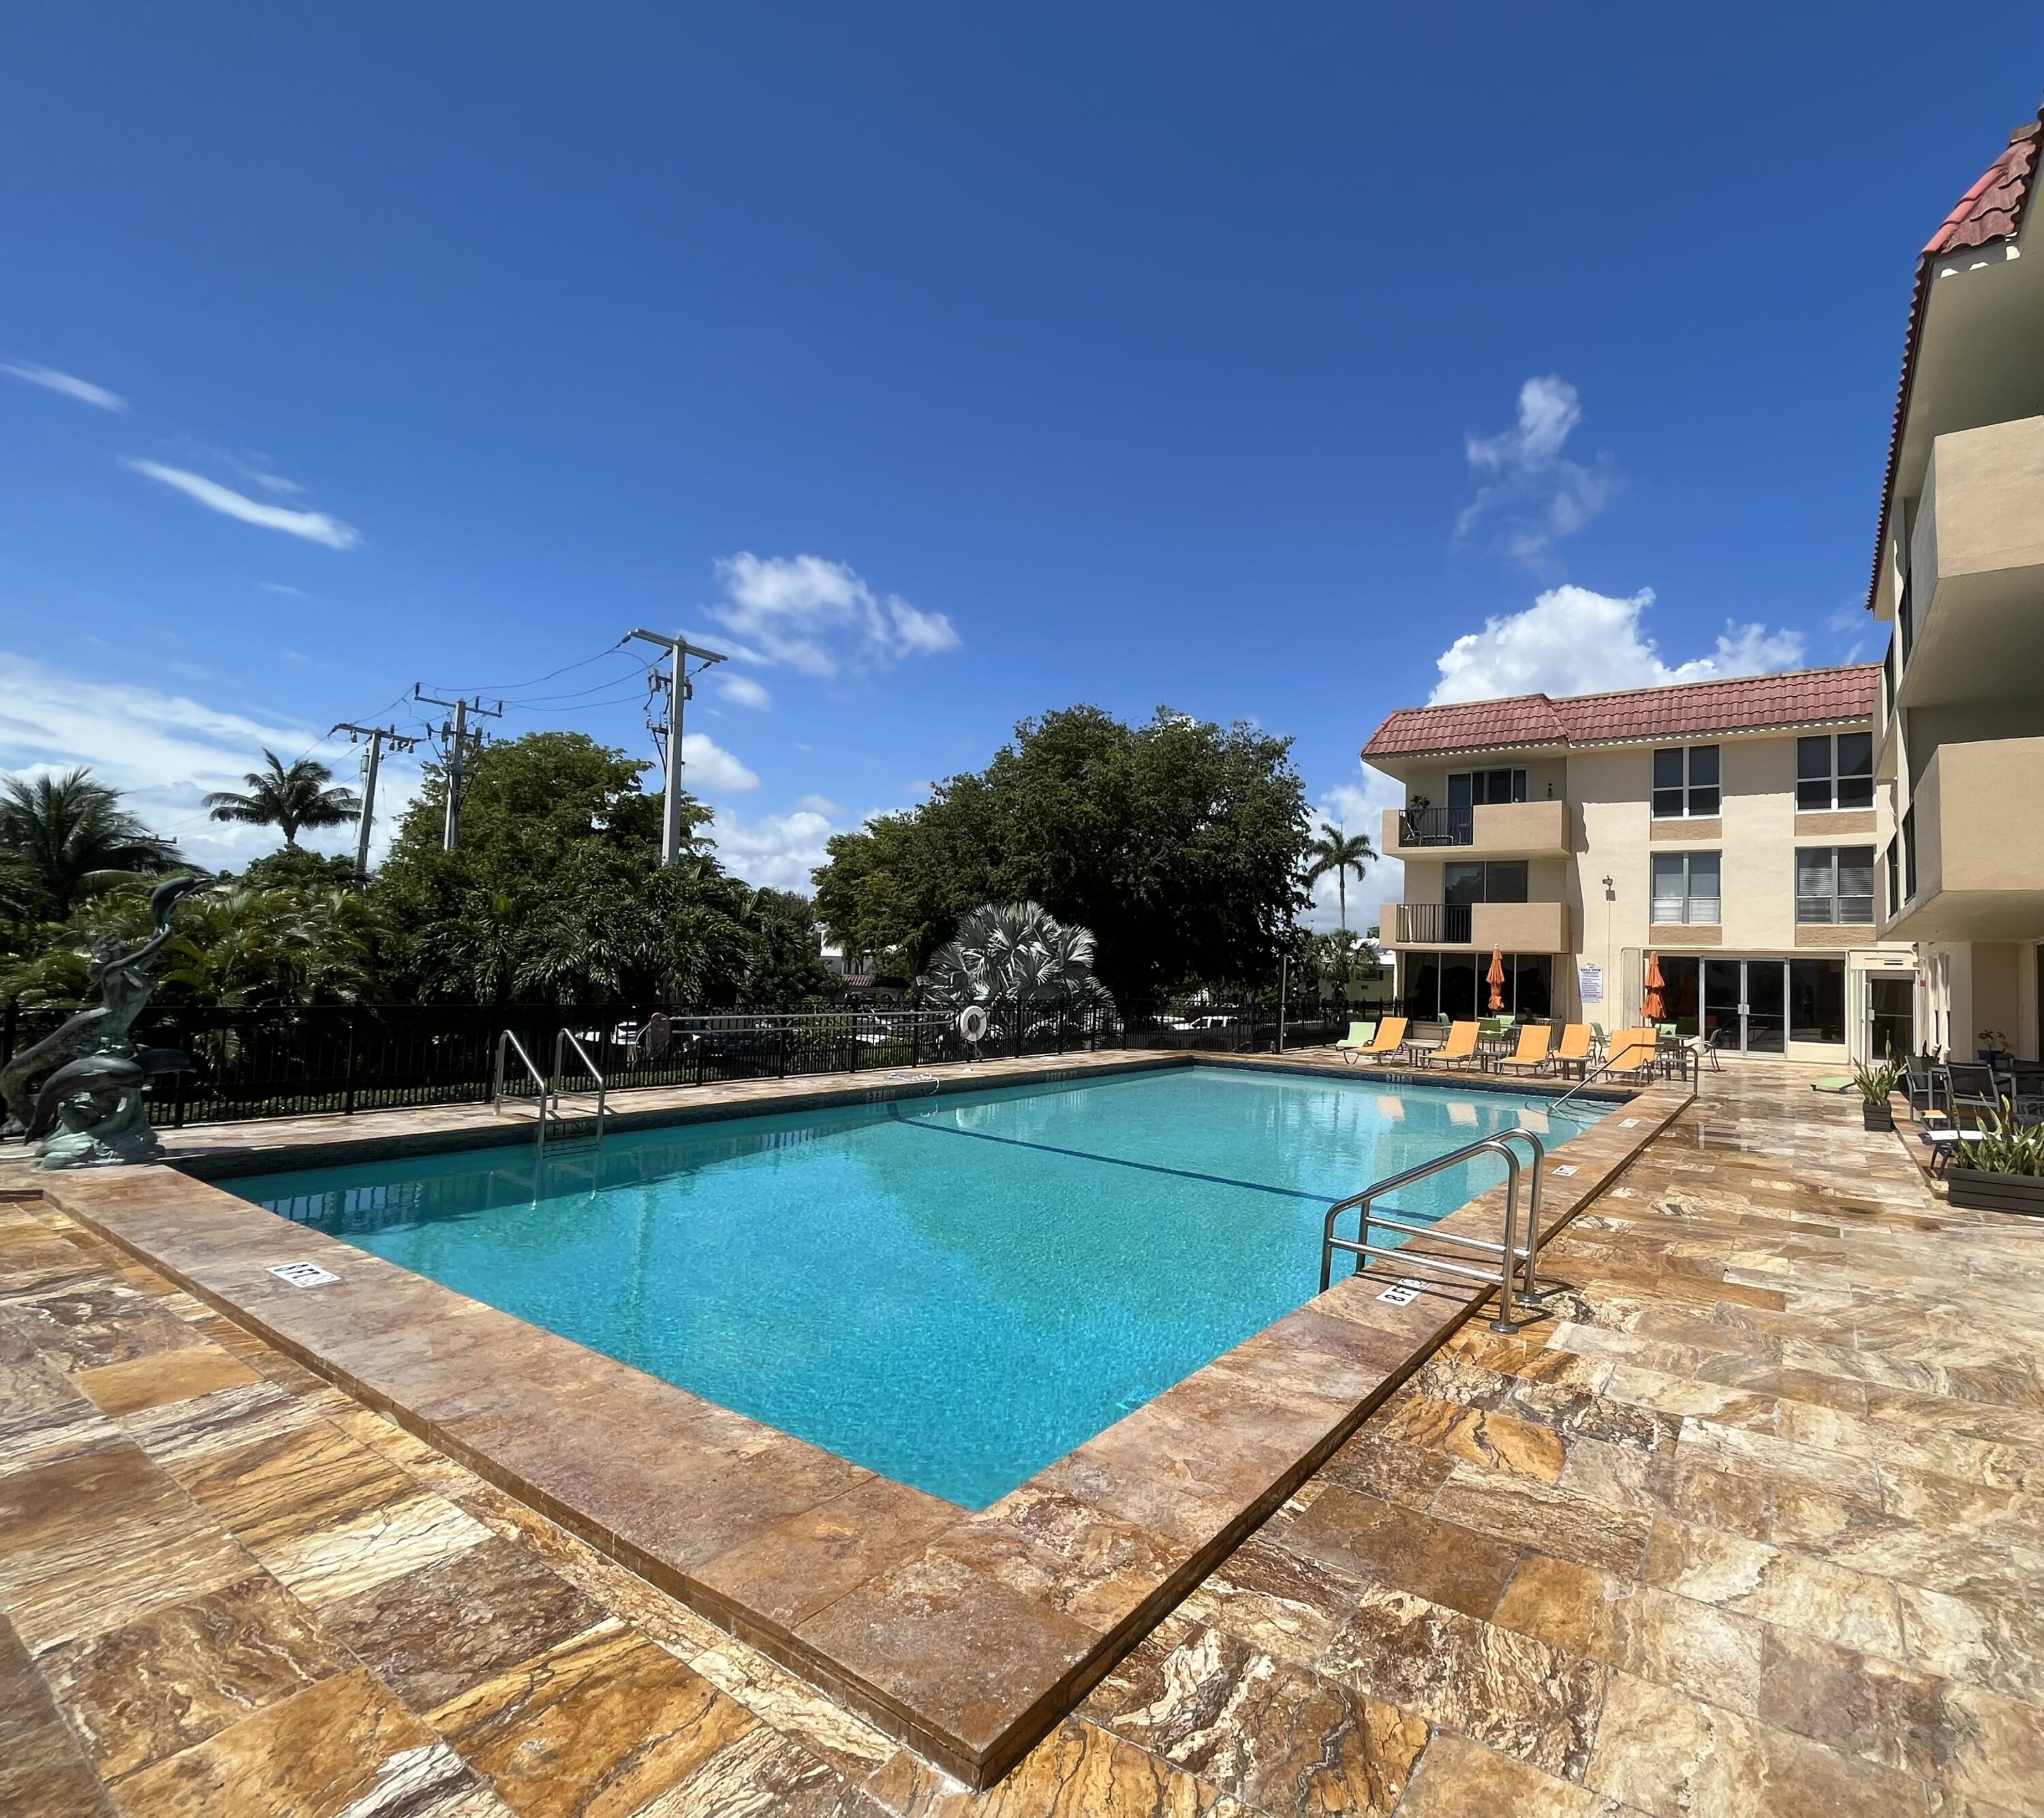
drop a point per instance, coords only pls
(1685, 781)
(1501, 881)
(1686, 887)
(1454, 987)
(1835, 773)
(1909, 855)
(1835, 883)
(1894, 876)
(1817, 1000)
(1472, 788)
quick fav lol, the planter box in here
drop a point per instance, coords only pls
(1974, 1189)
(1876, 1116)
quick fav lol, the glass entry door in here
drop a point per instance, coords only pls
(1748, 1001)
(1890, 1008)
(1766, 1006)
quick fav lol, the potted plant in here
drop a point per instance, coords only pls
(1877, 1080)
(1993, 1045)
(2004, 1167)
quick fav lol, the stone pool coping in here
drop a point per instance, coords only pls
(965, 1635)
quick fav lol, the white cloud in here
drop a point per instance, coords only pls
(315, 526)
(164, 752)
(780, 850)
(284, 588)
(742, 691)
(1536, 495)
(819, 617)
(1358, 808)
(50, 379)
(706, 765)
(820, 805)
(1572, 641)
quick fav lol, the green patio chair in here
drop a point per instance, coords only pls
(1360, 1035)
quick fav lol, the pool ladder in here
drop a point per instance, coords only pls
(549, 1093)
(1508, 1257)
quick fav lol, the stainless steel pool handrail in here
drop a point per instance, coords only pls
(497, 1083)
(1507, 1253)
(574, 1041)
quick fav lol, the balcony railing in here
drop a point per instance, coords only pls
(1437, 826)
(1443, 924)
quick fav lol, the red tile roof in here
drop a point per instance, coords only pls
(1805, 697)
(1992, 210)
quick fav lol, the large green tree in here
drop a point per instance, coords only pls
(555, 892)
(1178, 842)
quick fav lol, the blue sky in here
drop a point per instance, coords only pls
(952, 366)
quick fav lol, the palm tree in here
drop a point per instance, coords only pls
(68, 836)
(1336, 852)
(1015, 953)
(287, 799)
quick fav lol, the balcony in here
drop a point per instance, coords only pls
(1513, 927)
(1970, 620)
(1971, 847)
(1492, 829)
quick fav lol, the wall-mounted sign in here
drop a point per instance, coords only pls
(1590, 983)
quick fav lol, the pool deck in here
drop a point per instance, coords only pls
(1749, 1524)
(965, 1635)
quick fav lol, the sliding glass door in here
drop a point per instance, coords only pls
(1747, 1004)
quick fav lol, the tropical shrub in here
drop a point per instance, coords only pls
(1014, 953)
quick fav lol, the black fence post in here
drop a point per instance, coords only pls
(347, 1094)
(915, 1036)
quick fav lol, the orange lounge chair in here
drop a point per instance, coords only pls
(1530, 1056)
(1634, 1054)
(1390, 1039)
(1575, 1049)
(1458, 1050)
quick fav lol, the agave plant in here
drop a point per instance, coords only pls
(1877, 1080)
(1014, 953)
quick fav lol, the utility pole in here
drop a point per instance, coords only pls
(667, 737)
(456, 738)
(371, 764)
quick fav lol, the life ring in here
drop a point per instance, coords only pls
(972, 1023)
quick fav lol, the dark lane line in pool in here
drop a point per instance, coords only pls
(1113, 1160)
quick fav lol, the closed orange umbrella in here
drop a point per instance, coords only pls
(1494, 978)
(1652, 1010)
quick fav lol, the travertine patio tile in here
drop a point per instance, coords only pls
(186, 1671)
(1677, 1758)
(1275, 1734)
(1509, 1691)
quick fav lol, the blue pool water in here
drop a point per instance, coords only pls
(953, 1291)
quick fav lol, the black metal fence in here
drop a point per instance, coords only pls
(295, 1061)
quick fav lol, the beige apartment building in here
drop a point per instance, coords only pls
(1959, 574)
(1725, 833)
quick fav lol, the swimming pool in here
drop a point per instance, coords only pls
(953, 1291)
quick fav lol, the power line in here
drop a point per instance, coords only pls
(506, 689)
